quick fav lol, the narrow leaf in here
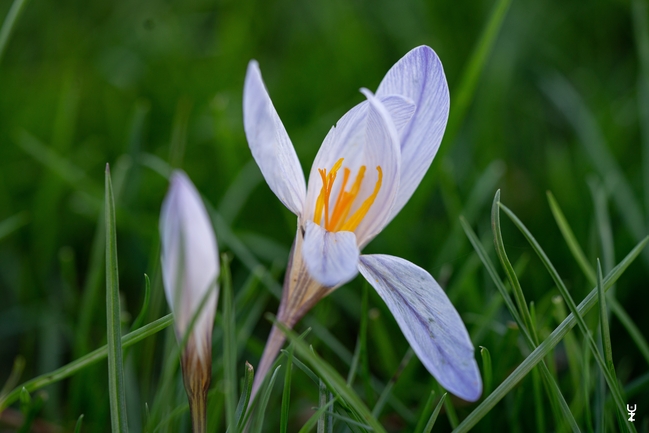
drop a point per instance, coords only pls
(77, 427)
(603, 318)
(428, 406)
(509, 270)
(242, 406)
(569, 102)
(486, 369)
(383, 398)
(145, 304)
(85, 361)
(474, 68)
(631, 328)
(332, 378)
(8, 25)
(311, 422)
(229, 345)
(433, 417)
(116, 390)
(552, 388)
(571, 240)
(548, 344)
(286, 393)
(589, 272)
(12, 224)
(14, 377)
(641, 33)
(611, 380)
(261, 409)
(299, 364)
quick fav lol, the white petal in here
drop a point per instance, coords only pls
(269, 143)
(400, 108)
(331, 257)
(190, 264)
(418, 76)
(428, 320)
(366, 135)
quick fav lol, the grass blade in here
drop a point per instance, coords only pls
(538, 402)
(244, 400)
(552, 388)
(145, 304)
(286, 393)
(631, 328)
(569, 102)
(465, 91)
(77, 427)
(229, 346)
(12, 224)
(12, 380)
(311, 422)
(325, 423)
(603, 222)
(604, 331)
(299, 364)
(383, 398)
(589, 272)
(334, 381)
(8, 25)
(486, 369)
(603, 318)
(641, 31)
(611, 380)
(473, 70)
(113, 320)
(519, 296)
(85, 361)
(364, 356)
(261, 408)
(433, 417)
(479, 196)
(62, 167)
(570, 239)
(428, 406)
(548, 344)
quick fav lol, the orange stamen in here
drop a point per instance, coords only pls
(325, 192)
(337, 220)
(347, 202)
(360, 213)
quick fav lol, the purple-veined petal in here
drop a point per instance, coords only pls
(418, 76)
(364, 136)
(400, 109)
(382, 150)
(428, 320)
(190, 264)
(330, 257)
(269, 143)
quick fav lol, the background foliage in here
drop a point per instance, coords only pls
(560, 102)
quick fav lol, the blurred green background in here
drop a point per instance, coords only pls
(559, 103)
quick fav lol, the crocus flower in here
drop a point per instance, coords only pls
(190, 268)
(367, 168)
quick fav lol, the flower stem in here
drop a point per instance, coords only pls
(274, 343)
(300, 293)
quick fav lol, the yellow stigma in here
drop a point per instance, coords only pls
(336, 213)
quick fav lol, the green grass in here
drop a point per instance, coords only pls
(548, 107)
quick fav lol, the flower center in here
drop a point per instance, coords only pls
(336, 217)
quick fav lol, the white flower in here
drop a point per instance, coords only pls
(190, 268)
(366, 170)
